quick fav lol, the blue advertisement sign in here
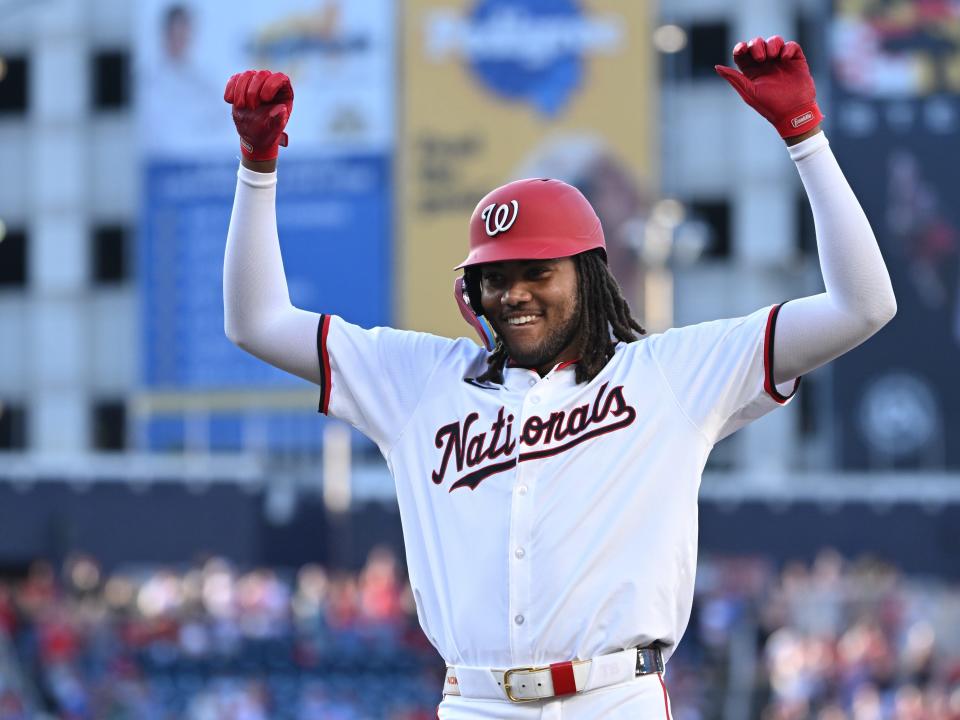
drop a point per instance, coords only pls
(334, 200)
(335, 230)
(334, 193)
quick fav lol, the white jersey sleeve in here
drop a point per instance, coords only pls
(374, 379)
(721, 372)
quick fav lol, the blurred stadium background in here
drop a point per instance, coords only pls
(183, 536)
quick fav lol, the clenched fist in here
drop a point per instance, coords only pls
(774, 80)
(262, 102)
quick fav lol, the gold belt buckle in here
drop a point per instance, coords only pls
(507, 687)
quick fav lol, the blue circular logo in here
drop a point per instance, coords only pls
(531, 50)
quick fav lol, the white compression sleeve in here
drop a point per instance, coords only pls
(810, 331)
(258, 315)
(859, 298)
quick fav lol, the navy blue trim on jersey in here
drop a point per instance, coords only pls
(323, 327)
(619, 425)
(768, 384)
(471, 480)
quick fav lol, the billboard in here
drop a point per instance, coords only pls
(334, 197)
(895, 116)
(496, 90)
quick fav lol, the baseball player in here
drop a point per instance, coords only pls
(547, 481)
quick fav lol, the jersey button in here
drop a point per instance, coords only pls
(522, 490)
(518, 619)
(519, 553)
(532, 382)
(535, 399)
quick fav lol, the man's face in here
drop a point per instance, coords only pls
(534, 307)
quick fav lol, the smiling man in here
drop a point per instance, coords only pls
(536, 304)
(537, 271)
(548, 481)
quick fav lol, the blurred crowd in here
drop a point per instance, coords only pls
(213, 643)
(828, 640)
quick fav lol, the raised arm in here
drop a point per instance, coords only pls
(258, 314)
(859, 299)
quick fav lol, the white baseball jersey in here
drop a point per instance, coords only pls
(545, 520)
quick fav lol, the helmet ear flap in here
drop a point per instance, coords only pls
(465, 303)
(471, 281)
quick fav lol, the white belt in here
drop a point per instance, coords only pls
(566, 678)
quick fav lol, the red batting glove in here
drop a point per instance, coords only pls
(262, 102)
(776, 82)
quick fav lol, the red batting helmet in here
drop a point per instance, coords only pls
(524, 220)
(531, 220)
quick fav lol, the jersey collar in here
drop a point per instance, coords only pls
(558, 366)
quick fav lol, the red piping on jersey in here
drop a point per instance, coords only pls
(768, 384)
(560, 366)
(325, 380)
(666, 698)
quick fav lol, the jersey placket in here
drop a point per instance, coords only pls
(521, 526)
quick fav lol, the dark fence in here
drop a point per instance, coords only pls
(174, 523)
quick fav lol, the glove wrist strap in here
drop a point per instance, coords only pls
(270, 152)
(799, 120)
(251, 153)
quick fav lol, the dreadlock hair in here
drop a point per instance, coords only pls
(603, 312)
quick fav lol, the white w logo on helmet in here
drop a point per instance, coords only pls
(498, 218)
